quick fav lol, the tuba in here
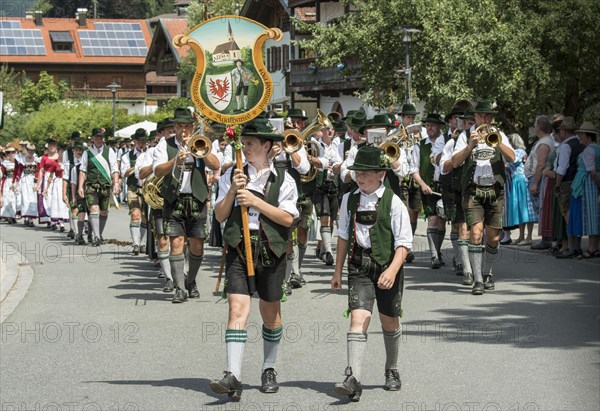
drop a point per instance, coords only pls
(151, 192)
(490, 134)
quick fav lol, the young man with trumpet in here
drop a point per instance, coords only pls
(135, 200)
(98, 181)
(424, 171)
(269, 193)
(185, 193)
(453, 200)
(484, 150)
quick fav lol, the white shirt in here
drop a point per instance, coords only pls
(303, 167)
(532, 159)
(160, 156)
(446, 156)
(74, 172)
(112, 158)
(400, 221)
(288, 196)
(563, 156)
(144, 160)
(482, 167)
(126, 164)
(436, 148)
(340, 148)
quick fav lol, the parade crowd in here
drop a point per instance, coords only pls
(369, 180)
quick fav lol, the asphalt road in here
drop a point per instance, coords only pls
(95, 331)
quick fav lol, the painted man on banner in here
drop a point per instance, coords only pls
(242, 77)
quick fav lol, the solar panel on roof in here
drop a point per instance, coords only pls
(16, 41)
(113, 39)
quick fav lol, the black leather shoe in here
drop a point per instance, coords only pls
(71, 234)
(302, 280)
(392, 380)
(269, 381)
(102, 240)
(566, 255)
(540, 246)
(467, 279)
(441, 258)
(488, 282)
(435, 263)
(350, 387)
(168, 286)
(478, 289)
(288, 289)
(228, 385)
(62, 229)
(192, 289)
(295, 281)
(328, 258)
(506, 242)
(96, 242)
(161, 274)
(410, 257)
(179, 297)
(136, 250)
(79, 240)
(459, 269)
(90, 240)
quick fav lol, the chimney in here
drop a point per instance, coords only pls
(38, 18)
(80, 16)
(29, 14)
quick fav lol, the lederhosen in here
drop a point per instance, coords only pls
(184, 213)
(269, 245)
(80, 202)
(95, 184)
(325, 197)
(488, 197)
(365, 265)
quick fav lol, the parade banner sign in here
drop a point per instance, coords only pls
(231, 84)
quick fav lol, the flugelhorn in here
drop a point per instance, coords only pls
(489, 134)
(199, 144)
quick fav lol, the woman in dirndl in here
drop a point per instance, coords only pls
(584, 219)
(9, 186)
(29, 209)
(49, 161)
(520, 206)
(58, 210)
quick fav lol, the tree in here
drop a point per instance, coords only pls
(510, 51)
(45, 91)
(10, 85)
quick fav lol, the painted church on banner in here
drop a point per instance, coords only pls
(227, 53)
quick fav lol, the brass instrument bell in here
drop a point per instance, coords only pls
(489, 134)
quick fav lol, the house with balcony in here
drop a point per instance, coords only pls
(327, 88)
(86, 54)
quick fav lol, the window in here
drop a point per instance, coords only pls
(269, 67)
(65, 79)
(62, 41)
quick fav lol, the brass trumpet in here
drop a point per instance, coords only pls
(292, 141)
(391, 150)
(199, 145)
(490, 134)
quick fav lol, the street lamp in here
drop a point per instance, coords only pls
(408, 31)
(113, 87)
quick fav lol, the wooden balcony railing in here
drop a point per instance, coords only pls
(304, 73)
(105, 94)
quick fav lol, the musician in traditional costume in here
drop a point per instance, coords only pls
(483, 191)
(185, 193)
(68, 162)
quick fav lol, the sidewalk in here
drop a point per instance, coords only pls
(16, 276)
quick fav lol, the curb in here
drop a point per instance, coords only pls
(17, 276)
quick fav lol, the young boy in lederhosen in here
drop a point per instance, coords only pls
(270, 195)
(374, 231)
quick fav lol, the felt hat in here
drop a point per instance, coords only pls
(587, 127)
(484, 106)
(51, 140)
(261, 129)
(140, 134)
(381, 120)
(369, 158)
(468, 115)
(297, 113)
(152, 135)
(182, 115)
(357, 121)
(75, 135)
(78, 144)
(433, 118)
(349, 114)
(340, 127)
(98, 132)
(409, 109)
(568, 123)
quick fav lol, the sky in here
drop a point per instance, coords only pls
(213, 33)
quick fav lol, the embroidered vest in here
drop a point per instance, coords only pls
(468, 170)
(276, 235)
(131, 179)
(380, 233)
(426, 169)
(170, 187)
